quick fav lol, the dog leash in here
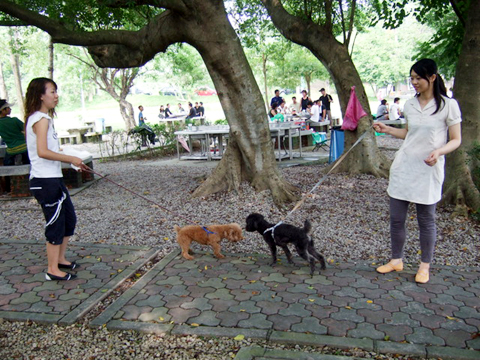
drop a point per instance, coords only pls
(302, 200)
(90, 170)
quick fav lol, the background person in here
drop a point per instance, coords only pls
(161, 112)
(315, 111)
(141, 119)
(191, 114)
(417, 173)
(304, 101)
(201, 110)
(395, 112)
(296, 107)
(46, 179)
(168, 112)
(12, 131)
(276, 99)
(325, 101)
(382, 110)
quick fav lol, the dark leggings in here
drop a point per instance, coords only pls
(426, 223)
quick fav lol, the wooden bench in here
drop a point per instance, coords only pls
(19, 177)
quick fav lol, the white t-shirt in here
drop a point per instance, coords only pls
(315, 113)
(410, 178)
(42, 168)
(394, 112)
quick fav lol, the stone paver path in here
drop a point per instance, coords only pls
(348, 305)
(26, 295)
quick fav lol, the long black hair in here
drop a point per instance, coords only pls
(426, 68)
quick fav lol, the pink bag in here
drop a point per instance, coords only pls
(354, 112)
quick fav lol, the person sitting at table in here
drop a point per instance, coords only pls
(191, 114)
(282, 108)
(314, 111)
(273, 110)
(201, 110)
(382, 110)
(12, 131)
(180, 109)
(395, 112)
(161, 114)
(168, 112)
(296, 107)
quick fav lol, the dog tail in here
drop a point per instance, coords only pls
(307, 227)
(177, 228)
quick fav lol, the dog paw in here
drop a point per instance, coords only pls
(188, 257)
(220, 256)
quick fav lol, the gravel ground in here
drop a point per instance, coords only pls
(349, 217)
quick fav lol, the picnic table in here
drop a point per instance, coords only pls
(207, 133)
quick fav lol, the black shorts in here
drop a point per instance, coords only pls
(53, 196)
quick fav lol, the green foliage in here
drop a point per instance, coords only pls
(445, 45)
(221, 122)
(165, 133)
(89, 14)
(186, 67)
(384, 57)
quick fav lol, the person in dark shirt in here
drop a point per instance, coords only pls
(326, 99)
(201, 110)
(167, 111)
(277, 98)
(191, 114)
(305, 100)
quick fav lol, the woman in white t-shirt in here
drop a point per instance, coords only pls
(46, 179)
(417, 173)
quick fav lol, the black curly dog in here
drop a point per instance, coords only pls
(283, 235)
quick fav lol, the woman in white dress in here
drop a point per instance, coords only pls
(417, 173)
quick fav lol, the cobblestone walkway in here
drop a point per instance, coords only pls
(25, 295)
(348, 305)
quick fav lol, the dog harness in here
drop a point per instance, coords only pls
(207, 231)
(273, 229)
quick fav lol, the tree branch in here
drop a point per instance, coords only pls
(328, 15)
(458, 12)
(351, 22)
(342, 20)
(60, 34)
(175, 5)
(109, 48)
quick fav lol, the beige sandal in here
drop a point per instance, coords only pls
(422, 276)
(390, 267)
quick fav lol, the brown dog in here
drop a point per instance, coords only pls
(213, 237)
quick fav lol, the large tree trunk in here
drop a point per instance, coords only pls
(459, 188)
(366, 157)
(126, 110)
(250, 154)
